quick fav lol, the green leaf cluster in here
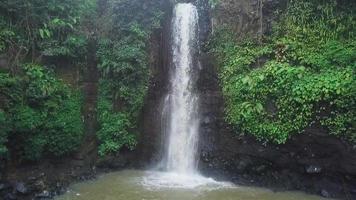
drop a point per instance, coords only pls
(44, 27)
(116, 129)
(3, 133)
(41, 115)
(123, 64)
(213, 3)
(301, 75)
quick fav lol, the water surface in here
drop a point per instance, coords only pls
(134, 185)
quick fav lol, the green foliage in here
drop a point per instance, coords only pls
(39, 114)
(5, 35)
(115, 129)
(213, 3)
(65, 125)
(123, 63)
(303, 74)
(3, 133)
(49, 28)
(43, 114)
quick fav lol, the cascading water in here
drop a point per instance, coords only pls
(180, 113)
(183, 118)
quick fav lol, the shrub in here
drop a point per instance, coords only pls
(123, 64)
(44, 114)
(302, 74)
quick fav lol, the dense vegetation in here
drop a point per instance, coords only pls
(123, 63)
(275, 86)
(40, 114)
(302, 74)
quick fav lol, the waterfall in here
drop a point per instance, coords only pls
(182, 123)
(180, 112)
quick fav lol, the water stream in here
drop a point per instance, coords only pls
(183, 118)
(181, 108)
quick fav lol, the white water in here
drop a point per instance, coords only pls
(181, 110)
(183, 119)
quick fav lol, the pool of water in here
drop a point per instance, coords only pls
(141, 185)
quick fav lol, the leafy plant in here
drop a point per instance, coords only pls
(123, 63)
(40, 27)
(43, 115)
(302, 74)
(213, 3)
(3, 133)
(116, 129)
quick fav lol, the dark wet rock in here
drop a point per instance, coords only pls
(325, 194)
(4, 186)
(10, 196)
(39, 185)
(79, 163)
(261, 168)
(114, 162)
(32, 178)
(4, 62)
(312, 169)
(207, 120)
(43, 194)
(242, 165)
(21, 188)
(50, 177)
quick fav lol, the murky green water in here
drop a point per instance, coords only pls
(130, 185)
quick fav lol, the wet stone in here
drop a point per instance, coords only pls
(325, 194)
(21, 188)
(10, 196)
(313, 169)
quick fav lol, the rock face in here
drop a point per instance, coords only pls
(244, 17)
(44, 179)
(314, 161)
(150, 146)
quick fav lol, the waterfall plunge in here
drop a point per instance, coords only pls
(183, 119)
(180, 113)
